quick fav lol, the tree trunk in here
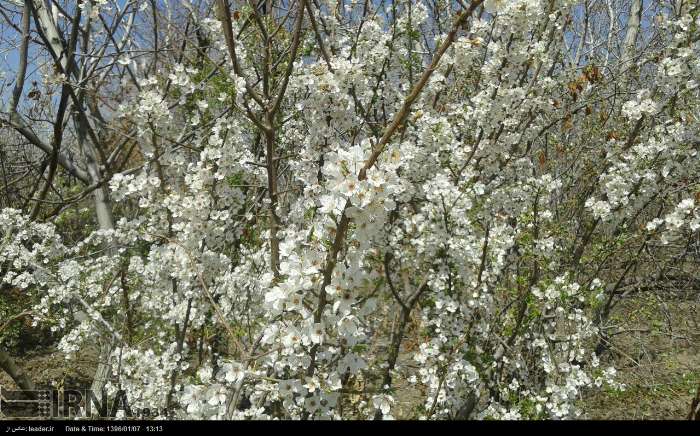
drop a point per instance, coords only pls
(21, 379)
(694, 414)
(633, 21)
(88, 143)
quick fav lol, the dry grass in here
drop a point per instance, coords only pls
(658, 360)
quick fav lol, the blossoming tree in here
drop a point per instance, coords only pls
(307, 208)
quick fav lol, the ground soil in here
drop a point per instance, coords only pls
(658, 359)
